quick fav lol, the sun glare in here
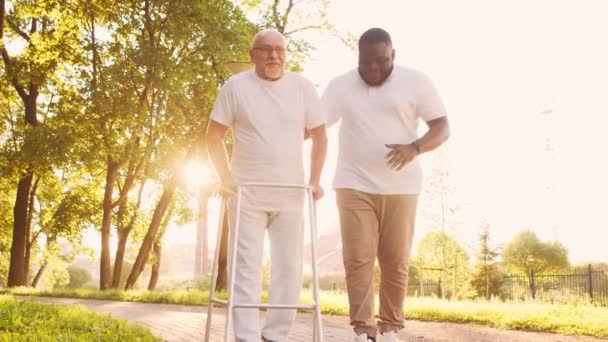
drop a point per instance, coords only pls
(197, 174)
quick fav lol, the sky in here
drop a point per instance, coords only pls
(524, 83)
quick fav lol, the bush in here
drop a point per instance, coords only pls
(178, 284)
(78, 277)
(327, 281)
(58, 277)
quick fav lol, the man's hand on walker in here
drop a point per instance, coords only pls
(228, 188)
(317, 192)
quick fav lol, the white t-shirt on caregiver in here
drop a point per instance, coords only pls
(268, 119)
(373, 116)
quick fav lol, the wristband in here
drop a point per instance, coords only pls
(417, 146)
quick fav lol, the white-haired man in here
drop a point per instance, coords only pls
(269, 111)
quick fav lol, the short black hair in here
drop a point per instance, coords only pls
(375, 35)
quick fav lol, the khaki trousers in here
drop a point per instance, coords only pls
(376, 226)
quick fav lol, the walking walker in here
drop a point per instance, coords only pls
(230, 305)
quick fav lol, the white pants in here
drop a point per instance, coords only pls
(285, 233)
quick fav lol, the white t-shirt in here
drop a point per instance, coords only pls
(268, 119)
(373, 116)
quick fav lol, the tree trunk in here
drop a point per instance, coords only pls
(105, 271)
(158, 244)
(39, 274)
(2, 10)
(16, 273)
(123, 235)
(146, 246)
(28, 253)
(124, 229)
(156, 266)
(487, 284)
(221, 284)
(28, 228)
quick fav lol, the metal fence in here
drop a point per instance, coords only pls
(428, 288)
(588, 283)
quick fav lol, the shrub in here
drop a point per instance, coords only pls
(78, 277)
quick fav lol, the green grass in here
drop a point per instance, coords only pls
(185, 297)
(579, 319)
(30, 321)
(557, 318)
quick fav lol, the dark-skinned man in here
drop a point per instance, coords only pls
(378, 177)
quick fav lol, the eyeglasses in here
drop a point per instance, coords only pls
(268, 50)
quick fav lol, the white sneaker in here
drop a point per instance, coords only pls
(390, 336)
(362, 338)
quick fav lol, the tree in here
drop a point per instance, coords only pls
(526, 252)
(485, 278)
(119, 79)
(440, 252)
(65, 209)
(211, 34)
(49, 32)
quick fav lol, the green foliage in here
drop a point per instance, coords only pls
(139, 94)
(167, 285)
(486, 278)
(58, 277)
(327, 281)
(53, 43)
(440, 256)
(7, 194)
(78, 277)
(30, 321)
(127, 266)
(439, 250)
(9, 142)
(292, 19)
(527, 252)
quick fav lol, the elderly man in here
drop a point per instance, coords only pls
(378, 178)
(269, 111)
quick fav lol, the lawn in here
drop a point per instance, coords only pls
(582, 319)
(30, 321)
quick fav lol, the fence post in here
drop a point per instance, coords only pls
(590, 272)
(420, 277)
(439, 289)
(532, 285)
(454, 282)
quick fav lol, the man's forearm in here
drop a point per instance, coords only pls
(317, 155)
(219, 158)
(217, 150)
(438, 133)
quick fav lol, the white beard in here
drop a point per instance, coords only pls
(273, 72)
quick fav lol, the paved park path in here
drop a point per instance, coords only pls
(186, 323)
